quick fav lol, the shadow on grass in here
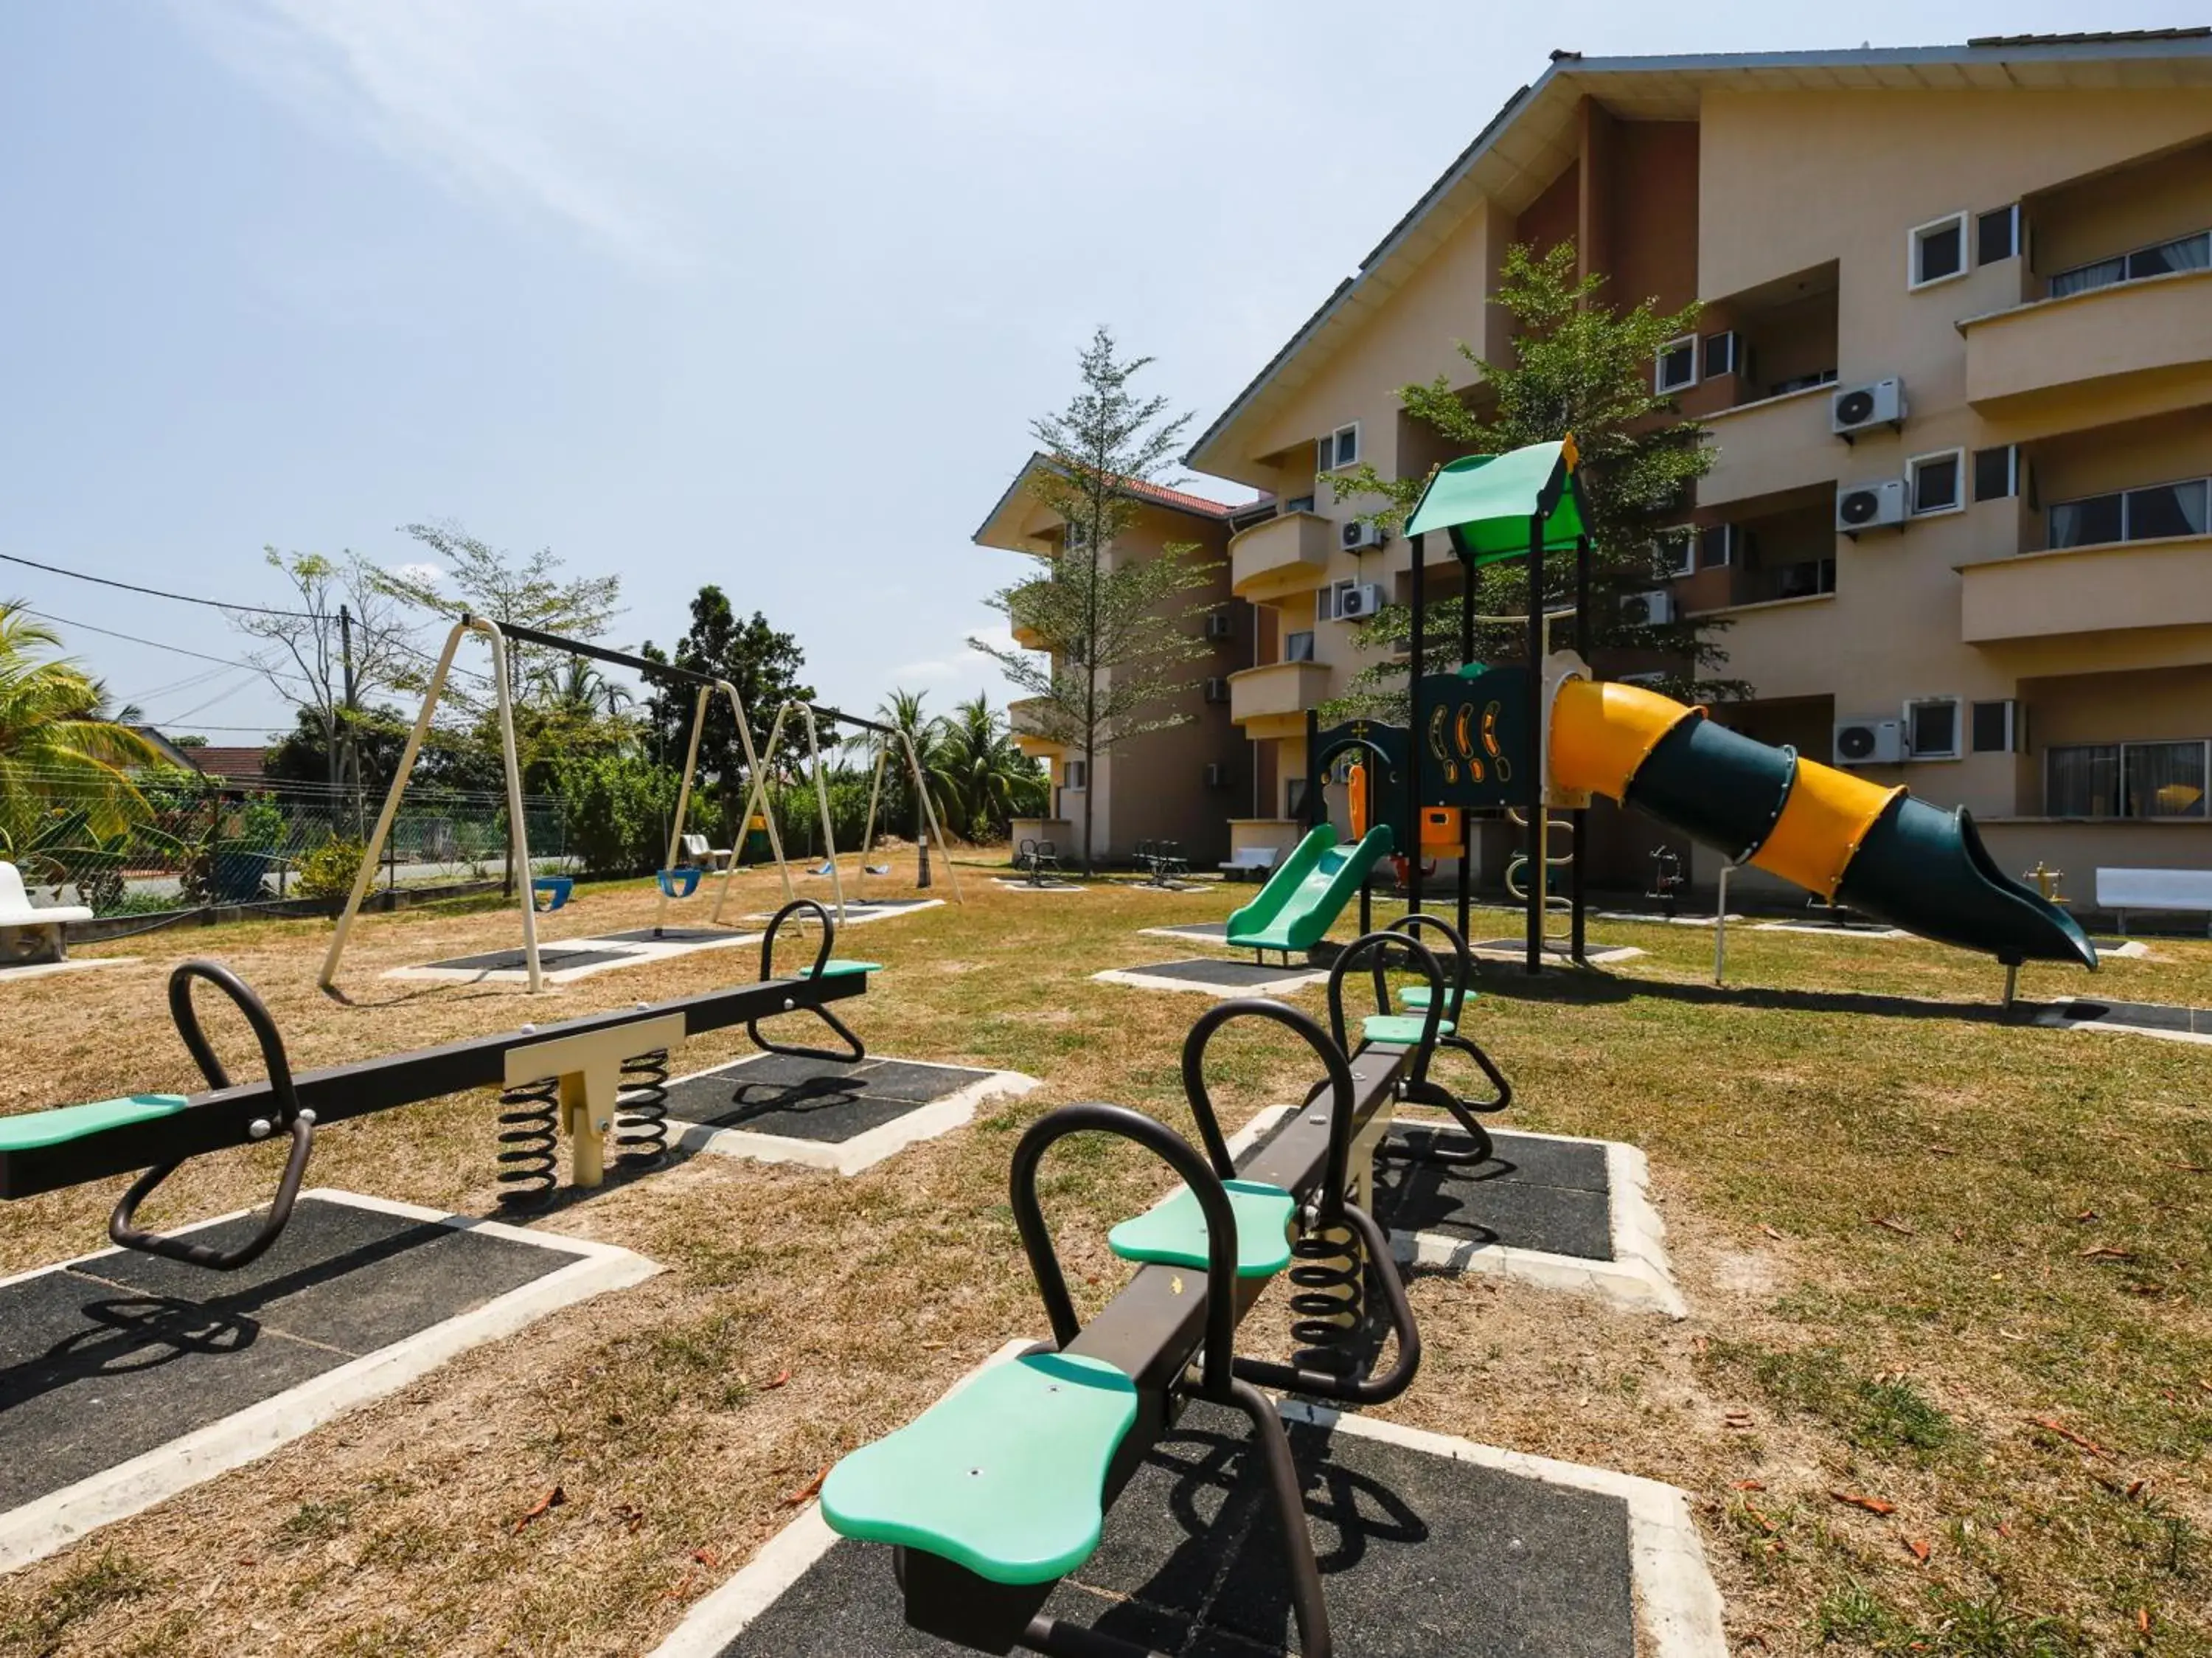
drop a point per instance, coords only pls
(1594, 987)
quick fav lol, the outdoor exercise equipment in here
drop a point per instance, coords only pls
(1037, 859)
(498, 636)
(1163, 862)
(1542, 737)
(1001, 1489)
(599, 1078)
(809, 717)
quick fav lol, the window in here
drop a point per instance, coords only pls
(2141, 514)
(2160, 259)
(1931, 728)
(1933, 483)
(1074, 537)
(1298, 647)
(1938, 252)
(1716, 546)
(1995, 727)
(1807, 579)
(1299, 503)
(1338, 448)
(1075, 774)
(1294, 797)
(1677, 367)
(1996, 473)
(2126, 780)
(1801, 382)
(1722, 351)
(1675, 554)
(1996, 235)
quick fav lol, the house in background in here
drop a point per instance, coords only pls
(1956, 358)
(1187, 782)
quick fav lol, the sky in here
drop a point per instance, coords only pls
(688, 291)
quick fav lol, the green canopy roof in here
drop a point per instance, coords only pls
(1486, 502)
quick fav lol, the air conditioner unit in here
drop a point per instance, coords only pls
(1361, 537)
(1217, 691)
(1220, 625)
(1859, 408)
(1869, 742)
(1356, 600)
(1217, 775)
(1869, 506)
(1652, 609)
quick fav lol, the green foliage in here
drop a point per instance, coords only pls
(760, 662)
(1580, 366)
(990, 778)
(616, 810)
(55, 743)
(329, 870)
(1884, 1413)
(1114, 637)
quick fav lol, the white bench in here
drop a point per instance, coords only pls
(28, 933)
(1251, 862)
(695, 850)
(2186, 890)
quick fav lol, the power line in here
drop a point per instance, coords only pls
(155, 644)
(157, 593)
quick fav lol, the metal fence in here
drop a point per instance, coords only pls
(173, 842)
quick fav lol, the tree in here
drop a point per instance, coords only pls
(1112, 630)
(485, 580)
(901, 711)
(1579, 367)
(347, 640)
(992, 780)
(376, 737)
(56, 751)
(762, 663)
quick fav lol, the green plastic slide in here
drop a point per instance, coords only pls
(1304, 897)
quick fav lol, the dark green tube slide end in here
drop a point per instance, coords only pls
(1926, 870)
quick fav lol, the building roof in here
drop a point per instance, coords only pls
(1532, 138)
(232, 764)
(994, 532)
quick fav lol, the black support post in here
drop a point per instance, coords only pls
(1576, 870)
(1416, 737)
(1536, 873)
(1465, 819)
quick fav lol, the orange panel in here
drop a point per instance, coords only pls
(1602, 731)
(1826, 816)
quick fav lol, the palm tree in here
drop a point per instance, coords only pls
(991, 778)
(901, 711)
(58, 751)
(581, 688)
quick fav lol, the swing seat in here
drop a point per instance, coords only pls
(550, 893)
(678, 883)
(1006, 1476)
(1172, 1232)
(1402, 1030)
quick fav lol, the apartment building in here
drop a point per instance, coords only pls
(1956, 358)
(1175, 784)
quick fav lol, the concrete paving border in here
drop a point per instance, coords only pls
(73, 964)
(40, 1528)
(1294, 978)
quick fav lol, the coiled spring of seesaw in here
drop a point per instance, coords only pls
(642, 1109)
(529, 1138)
(1328, 1299)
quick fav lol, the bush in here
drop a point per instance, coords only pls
(329, 870)
(615, 809)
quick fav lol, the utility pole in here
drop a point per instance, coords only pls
(345, 755)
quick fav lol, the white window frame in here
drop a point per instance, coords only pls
(1962, 487)
(1335, 441)
(1662, 571)
(1732, 547)
(1659, 386)
(1075, 775)
(1914, 282)
(1290, 654)
(1958, 707)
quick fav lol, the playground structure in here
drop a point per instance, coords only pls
(1536, 739)
(927, 830)
(597, 1078)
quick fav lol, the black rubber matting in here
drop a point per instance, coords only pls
(1421, 1556)
(669, 935)
(2139, 1015)
(1532, 1194)
(110, 1358)
(1229, 975)
(549, 961)
(827, 1100)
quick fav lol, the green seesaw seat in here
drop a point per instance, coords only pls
(832, 969)
(32, 1130)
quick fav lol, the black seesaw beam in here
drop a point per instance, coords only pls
(221, 1119)
(1150, 1332)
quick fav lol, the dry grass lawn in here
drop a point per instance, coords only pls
(1935, 1260)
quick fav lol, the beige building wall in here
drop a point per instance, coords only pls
(1794, 210)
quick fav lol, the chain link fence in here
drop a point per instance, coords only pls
(172, 842)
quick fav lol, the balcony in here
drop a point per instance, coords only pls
(1286, 555)
(1773, 444)
(2096, 590)
(1021, 722)
(2154, 335)
(1272, 701)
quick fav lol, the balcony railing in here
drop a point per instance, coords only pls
(1287, 554)
(1022, 723)
(1277, 694)
(2141, 330)
(2091, 589)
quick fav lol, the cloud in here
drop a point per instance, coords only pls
(970, 670)
(426, 574)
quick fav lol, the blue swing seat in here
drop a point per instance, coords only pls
(550, 893)
(678, 883)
